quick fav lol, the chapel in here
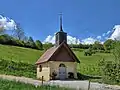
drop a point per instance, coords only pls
(58, 62)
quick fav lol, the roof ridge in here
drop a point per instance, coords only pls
(52, 51)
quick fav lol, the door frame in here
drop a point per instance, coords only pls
(65, 71)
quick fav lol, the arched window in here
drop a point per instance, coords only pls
(62, 65)
(40, 68)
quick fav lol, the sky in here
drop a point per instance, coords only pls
(84, 20)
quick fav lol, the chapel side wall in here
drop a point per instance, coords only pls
(70, 67)
(45, 71)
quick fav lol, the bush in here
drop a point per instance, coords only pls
(107, 51)
(5, 39)
(77, 49)
(93, 51)
(110, 72)
(17, 68)
(88, 52)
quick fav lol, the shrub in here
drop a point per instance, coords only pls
(110, 72)
(88, 52)
(107, 51)
(77, 49)
(17, 68)
(5, 39)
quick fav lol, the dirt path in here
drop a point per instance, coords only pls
(21, 79)
(71, 84)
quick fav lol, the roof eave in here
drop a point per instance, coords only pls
(40, 62)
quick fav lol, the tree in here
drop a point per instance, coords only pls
(6, 39)
(18, 32)
(25, 39)
(39, 44)
(31, 42)
(97, 46)
(116, 51)
(30, 39)
(1, 29)
(111, 68)
(88, 52)
(108, 44)
(47, 45)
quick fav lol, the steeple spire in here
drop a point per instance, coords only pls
(61, 22)
(60, 35)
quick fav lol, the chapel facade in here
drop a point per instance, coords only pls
(59, 61)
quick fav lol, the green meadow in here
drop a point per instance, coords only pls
(88, 65)
(12, 85)
(17, 54)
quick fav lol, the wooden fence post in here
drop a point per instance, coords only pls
(89, 85)
(42, 79)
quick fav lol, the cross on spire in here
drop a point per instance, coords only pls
(61, 22)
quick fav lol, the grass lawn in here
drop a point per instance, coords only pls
(15, 53)
(12, 85)
(88, 65)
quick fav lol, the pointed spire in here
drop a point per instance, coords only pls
(60, 35)
(61, 22)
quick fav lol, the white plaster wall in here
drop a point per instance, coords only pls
(70, 67)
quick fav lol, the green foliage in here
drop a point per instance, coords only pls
(109, 44)
(30, 39)
(97, 46)
(17, 38)
(88, 52)
(80, 46)
(18, 32)
(17, 68)
(18, 43)
(111, 69)
(5, 39)
(27, 55)
(89, 64)
(116, 51)
(31, 42)
(77, 49)
(12, 85)
(39, 45)
(89, 69)
(9, 40)
(47, 46)
(110, 72)
(2, 30)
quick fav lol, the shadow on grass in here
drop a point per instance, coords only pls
(87, 77)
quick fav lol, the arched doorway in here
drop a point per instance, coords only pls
(62, 71)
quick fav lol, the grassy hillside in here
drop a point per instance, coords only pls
(14, 53)
(17, 68)
(88, 65)
(12, 85)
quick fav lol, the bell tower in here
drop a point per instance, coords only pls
(60, 35)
